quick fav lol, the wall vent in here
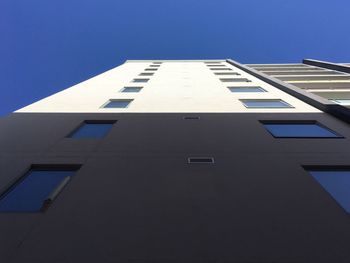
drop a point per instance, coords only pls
(200, 160)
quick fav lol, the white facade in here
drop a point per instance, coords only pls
(177, 86)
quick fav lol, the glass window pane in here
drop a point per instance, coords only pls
(337, 184)
(131, 89)
(91, 130)
(140, 80)
(246, 89)
(312, 130)
(30, 193)
(117, 104)
(266, 104)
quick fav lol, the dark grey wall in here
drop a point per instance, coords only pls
(136, 199)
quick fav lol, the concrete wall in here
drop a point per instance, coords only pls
(178, 86)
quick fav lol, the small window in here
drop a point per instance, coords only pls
(268, 103)
(151, 69)
(227, 73)
(200, 160)
(117, 104)
(335, 180)
(131, 89)
(217, 65)
(154, 66)
(92, 129)
(146, 74)
(345, 102)
(246, 89)
(140, 80)
(235, 80)
(37, 189)
(220, 69)
(299, 129)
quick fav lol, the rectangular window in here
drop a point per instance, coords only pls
(246, 89)
(146, 74)
(92, 129)
(335, 180)
(151, 69)
(154, 66)
(140, 80)
(235, 80)
(220, 69)
(200, 160)
(268, 103)
(37, 189)
(227, 73)
(117, 103)
(131, 89)
(216, 65)
(299, 129)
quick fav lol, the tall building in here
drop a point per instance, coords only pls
(181, 161)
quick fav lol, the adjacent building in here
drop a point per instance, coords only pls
(181, 161)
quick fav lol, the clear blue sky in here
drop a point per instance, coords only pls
(47, 46)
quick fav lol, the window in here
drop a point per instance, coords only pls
(200, 160)
(155, 66)
(131, 89)
(37, 189)
(227, 73)
(92, 129)
(117, 104)
(235, 80)
(151, 69)
(335, 180)
(345, 102)
(299, 129)
(217, 65)
(146, 74)
(271, 103)
(140, 80)
(246, 89)
(220, 69)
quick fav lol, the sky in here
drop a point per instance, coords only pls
(47, 46)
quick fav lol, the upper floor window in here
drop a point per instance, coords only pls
(140, 80)
(119, 103)
(335, 180)
(299, 129)
(235, 80)
(246, 89)
(92, 129)
(37, 189)
(146, 74)
(265, 103)
(131, 89)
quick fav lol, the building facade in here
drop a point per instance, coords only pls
(180, 161)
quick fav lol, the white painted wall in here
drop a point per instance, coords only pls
(178, 86)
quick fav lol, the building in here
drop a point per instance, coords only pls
(180, 161)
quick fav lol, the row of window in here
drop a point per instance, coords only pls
(279, 129)
(37, 189)
(249, 103)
